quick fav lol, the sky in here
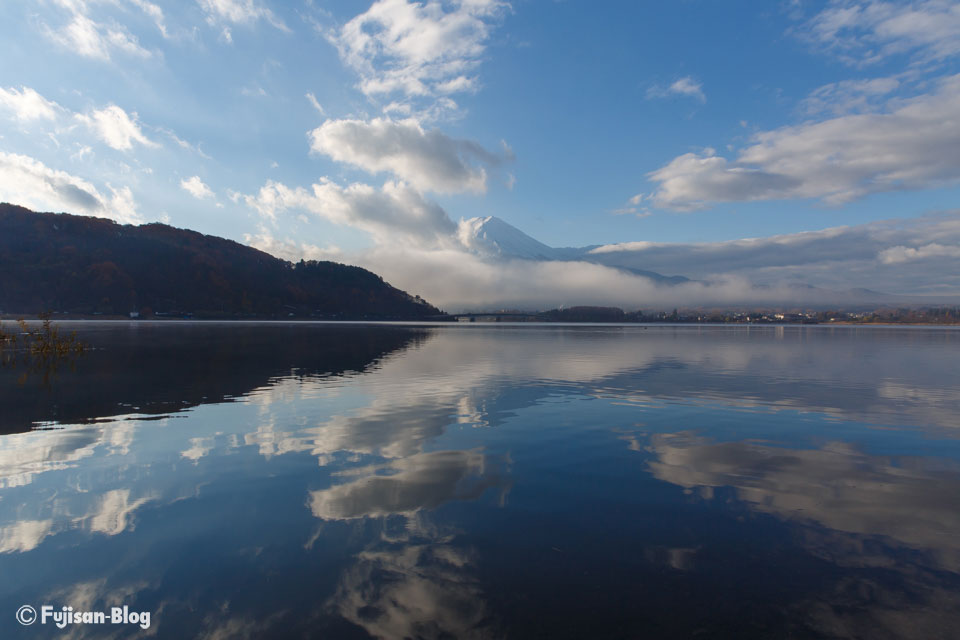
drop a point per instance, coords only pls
(737, 143)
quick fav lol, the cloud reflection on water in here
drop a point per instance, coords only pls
(877, 515)
(396, 443)
(912, 501)
(414, 591)
(418, 482)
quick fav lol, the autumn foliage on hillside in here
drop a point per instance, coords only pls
(85, 265)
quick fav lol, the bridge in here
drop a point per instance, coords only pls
(497, 316)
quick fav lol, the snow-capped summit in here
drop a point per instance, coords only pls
(491, 236)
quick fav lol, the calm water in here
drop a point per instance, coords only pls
(350, 481)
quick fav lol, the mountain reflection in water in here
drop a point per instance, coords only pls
(400, 481)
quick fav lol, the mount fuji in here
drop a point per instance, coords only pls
(492, 238)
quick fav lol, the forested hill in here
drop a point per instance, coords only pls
(83, 265)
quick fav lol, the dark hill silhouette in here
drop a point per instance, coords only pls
(84, 265)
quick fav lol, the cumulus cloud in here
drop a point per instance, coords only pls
(427, 160)
(862, 32)
(239, 12)
(112, 124)
(393, 214)
(196, 187)
(900, 253)
(118, 129)
(417, 48)
(30, 183)
(288, 248)
(685, 86)
(912, 146)
(26, 104)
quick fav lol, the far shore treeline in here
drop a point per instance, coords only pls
(944, 315)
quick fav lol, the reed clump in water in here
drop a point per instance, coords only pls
(39, 349)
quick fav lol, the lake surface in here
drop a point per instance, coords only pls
(401, 481)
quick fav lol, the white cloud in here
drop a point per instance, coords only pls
(196, 187)
(473, 282)
(30, 183)
(912, 146)
(459, 84)
(290, 249)
(900, 253)
(864, 32)
(850, 96)
(400, 108)
(896, 256)
(313, 102)
(27, 104)
(121, 206)
(394, 214)
(418, 49)
(239, 12)
(183, 144)
(116, 128)
(634, 211)
(155, 13)
(112, 125)
(685, 86)
(86, 37)
(428, 160)
(82, 152)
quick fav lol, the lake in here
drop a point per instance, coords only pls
(486, 481)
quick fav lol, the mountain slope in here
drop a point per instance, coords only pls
(492, 237)
(79, 264)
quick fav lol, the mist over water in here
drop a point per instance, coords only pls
(395, 481)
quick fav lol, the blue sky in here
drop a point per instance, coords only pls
(363, 131)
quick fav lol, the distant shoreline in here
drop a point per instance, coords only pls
(439, 322)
